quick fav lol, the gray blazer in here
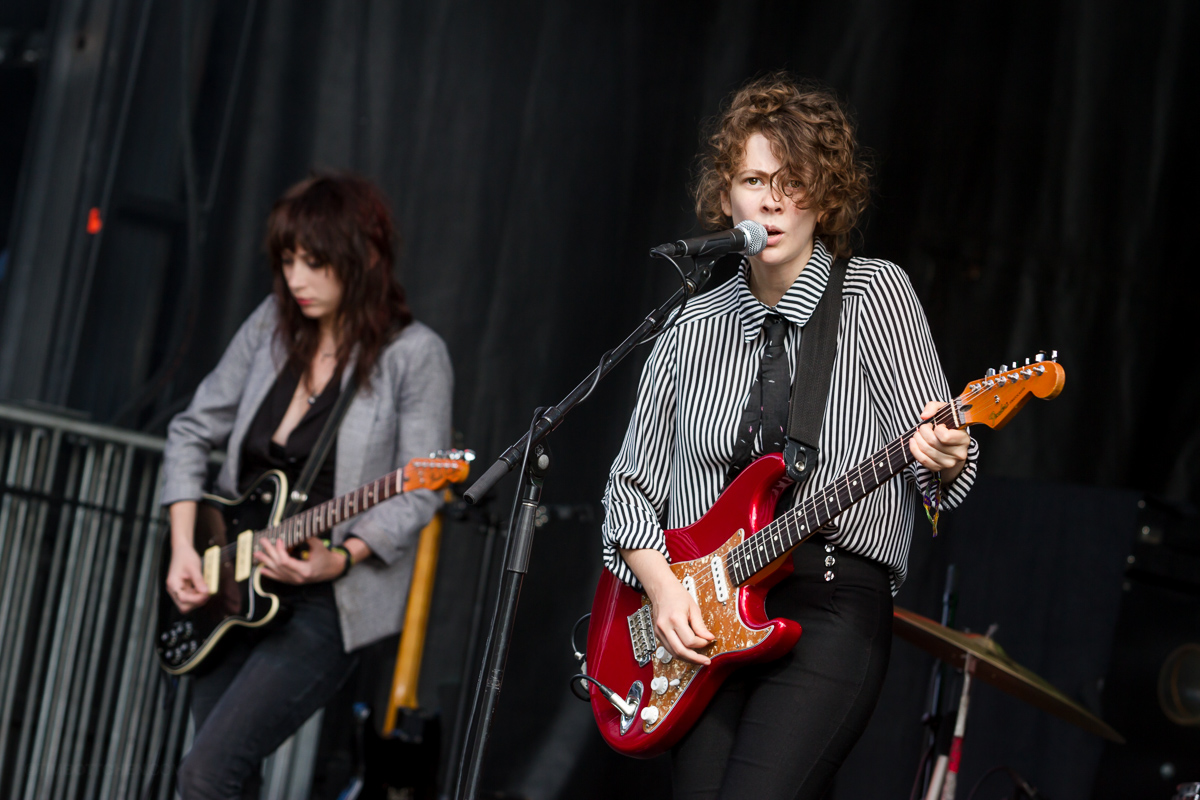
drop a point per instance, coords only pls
(403, 414)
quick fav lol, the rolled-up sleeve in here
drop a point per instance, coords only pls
(635, 498)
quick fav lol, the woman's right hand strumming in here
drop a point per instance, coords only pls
(185, 576)
(678, 622)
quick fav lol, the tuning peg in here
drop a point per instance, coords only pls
(989, 373)
(1004, 367)
(1040, 355)
(1027, 362)
(1054, 355)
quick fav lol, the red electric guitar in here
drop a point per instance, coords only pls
(644, 700)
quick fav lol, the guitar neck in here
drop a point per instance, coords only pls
(793, 527)
(319, 520)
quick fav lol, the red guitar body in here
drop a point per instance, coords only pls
(743, 632)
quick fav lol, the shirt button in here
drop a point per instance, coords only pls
(829, 575)
(830, 561)
(829, 548)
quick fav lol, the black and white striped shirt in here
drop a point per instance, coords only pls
(680, 442)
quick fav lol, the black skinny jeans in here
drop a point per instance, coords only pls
(263, 687)
(781, 729)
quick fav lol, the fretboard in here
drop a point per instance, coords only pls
(793, 527)
(321, 519)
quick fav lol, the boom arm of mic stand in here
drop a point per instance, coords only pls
(510, 458)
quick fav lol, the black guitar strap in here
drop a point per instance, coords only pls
(814, 372)
(809, 392)
(320, 450)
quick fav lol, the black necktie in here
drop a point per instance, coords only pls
(776, 382)
(767, 406)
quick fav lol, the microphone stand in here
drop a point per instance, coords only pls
(533, 454)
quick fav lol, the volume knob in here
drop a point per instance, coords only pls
(650, 714)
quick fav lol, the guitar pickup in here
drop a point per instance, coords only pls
(689, 583)
(245, 556)
(720, 584)
(212, 568)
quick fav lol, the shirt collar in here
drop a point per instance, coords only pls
(797, 303)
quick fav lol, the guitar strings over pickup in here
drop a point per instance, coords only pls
(245, 556)
(689, 583)
(212, 568)
(720, 585)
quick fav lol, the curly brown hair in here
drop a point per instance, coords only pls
(811, 134)
(343, 221)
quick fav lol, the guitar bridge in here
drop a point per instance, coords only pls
(641, 635)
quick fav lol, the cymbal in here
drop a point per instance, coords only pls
(994, 666)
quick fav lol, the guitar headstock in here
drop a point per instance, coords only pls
(442, 467)
(993, 399)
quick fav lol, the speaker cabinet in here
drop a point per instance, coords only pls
(1157, 636)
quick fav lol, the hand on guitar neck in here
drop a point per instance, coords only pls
(322, 564)
(940, 448)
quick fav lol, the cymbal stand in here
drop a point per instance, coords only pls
(945, 773)
(934, 718)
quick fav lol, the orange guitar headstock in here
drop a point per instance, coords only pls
(994, 399)
(442, 467)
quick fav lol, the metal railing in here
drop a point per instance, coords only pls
(85, 711)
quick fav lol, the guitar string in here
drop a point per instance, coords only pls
(744, 550)
(368, 502)
(743, 554)
(286, 531)
(810, 504)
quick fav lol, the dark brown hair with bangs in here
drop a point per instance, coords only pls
(810, 133)
(343, 222)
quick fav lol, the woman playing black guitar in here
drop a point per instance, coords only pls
(337, 313)
(711, 398)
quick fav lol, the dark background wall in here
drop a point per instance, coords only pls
(1034, 176)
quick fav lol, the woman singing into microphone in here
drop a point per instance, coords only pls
(783, 154)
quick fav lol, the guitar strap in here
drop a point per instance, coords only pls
(806, 407)
(320, 450)
(814, 372)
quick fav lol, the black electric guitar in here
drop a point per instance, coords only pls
(228, 532)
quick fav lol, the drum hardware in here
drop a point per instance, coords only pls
(981, 657)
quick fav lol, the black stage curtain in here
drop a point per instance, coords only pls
(1034, 176)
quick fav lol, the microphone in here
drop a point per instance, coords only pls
(748, 237)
